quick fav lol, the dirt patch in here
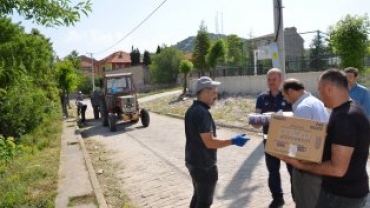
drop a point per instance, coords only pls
(80, 200)
(232, 110)
(105, 169)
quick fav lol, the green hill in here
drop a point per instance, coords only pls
(187, 44)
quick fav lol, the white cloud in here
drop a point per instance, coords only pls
(73, 36)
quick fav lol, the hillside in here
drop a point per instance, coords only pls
(187, 44)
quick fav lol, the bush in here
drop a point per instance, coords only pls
(23, 108)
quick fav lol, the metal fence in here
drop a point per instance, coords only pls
(304, 52)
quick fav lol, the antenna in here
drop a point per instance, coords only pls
(222, 23)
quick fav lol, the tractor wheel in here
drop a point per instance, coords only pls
(144, 116)
(112, 122)
(104, 112)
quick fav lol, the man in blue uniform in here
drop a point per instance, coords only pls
(273, 101)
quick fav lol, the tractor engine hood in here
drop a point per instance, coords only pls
(127, 103)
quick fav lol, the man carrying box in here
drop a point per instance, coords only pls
(273, 101)
(345, 181)
(305, 186)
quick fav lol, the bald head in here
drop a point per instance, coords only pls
(275, 71)
(274, 80)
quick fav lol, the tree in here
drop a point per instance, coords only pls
(23, 53)
(75, 59)
(158, 50)
(47, 12)
(318, 47)
(216, 54)
(147, 60)
(185, 67)
(135, 56)
(234, 50)
(164, 67)
(349, 39)
(202, 45)
(66, 76)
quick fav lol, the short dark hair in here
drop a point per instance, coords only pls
(352, 70)
(293, 84)
(336, 77)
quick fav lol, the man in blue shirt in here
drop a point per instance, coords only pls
(358, 92)
(273, 101)
(305, 186)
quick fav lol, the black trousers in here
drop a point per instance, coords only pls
(274, 180)
(204, 184)
(82, 110)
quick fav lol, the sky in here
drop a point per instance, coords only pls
(176, 20)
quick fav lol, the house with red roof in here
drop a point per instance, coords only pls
(115, 61)
(87, 62)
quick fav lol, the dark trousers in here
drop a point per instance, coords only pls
(81, 110)
(204, 184)
(274, 180)
(330, 200)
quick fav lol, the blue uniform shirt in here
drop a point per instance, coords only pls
(361, 95)
(267, 102)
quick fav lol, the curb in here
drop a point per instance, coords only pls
(221, 124)
(94, 180)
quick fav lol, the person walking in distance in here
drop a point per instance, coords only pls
(273, 101)
(202, 143)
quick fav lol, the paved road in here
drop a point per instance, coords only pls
(153, 97)
(153, 171)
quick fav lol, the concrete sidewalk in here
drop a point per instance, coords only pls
(78, 186)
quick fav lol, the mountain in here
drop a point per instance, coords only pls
(187, 44)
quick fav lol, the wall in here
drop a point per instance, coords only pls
(253, 85)
(138, 73)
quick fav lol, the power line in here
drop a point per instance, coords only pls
(133, 30)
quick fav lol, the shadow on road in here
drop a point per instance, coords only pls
(94, 127)
(244, 176)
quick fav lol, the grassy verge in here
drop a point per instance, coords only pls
(31, 179)
(158, 92)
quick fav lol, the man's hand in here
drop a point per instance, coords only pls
(239, 140)
(294, 162)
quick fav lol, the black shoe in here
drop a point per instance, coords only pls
(276, 203)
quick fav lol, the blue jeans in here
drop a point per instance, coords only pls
(204, 183)
(330, 200)
(273, 167)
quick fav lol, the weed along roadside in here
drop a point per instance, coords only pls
(29, 178)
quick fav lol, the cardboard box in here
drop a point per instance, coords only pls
(297, 138)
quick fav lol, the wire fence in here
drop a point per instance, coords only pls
(304, 52)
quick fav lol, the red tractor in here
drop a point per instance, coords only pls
(119, 101)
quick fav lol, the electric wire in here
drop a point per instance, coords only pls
(133, 30)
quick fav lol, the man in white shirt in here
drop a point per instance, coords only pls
(305, 186)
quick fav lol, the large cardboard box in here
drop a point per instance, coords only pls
(297, 138)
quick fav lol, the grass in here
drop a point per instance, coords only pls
(30, 180)
(141, 95)
(228, 109)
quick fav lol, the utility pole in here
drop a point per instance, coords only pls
(279, 32)
(92, 70)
